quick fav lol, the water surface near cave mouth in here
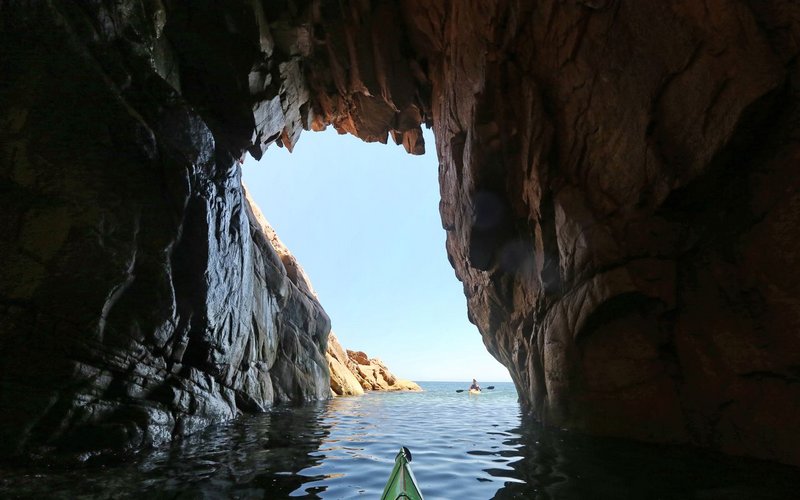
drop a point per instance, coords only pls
(463, 447)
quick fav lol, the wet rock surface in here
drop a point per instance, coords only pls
(140, 298)
(618, 187)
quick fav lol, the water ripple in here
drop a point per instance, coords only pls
(464, 447)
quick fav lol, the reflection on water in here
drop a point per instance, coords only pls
(252, 457)
(463, 446)
(557, 464)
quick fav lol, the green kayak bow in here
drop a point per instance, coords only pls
(402, 484)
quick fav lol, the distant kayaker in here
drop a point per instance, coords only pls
(474, 386)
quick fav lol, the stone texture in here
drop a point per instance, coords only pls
(353, 372)
(299, 372)
(343, 381)
(619, 187)
(139, 296)
(373, 375)
(619, 190)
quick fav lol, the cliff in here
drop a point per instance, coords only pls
(139, 296)
(353, 372)
(619, 191)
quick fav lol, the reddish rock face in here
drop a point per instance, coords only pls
(619, 189)
(373, 375)
(343, 379)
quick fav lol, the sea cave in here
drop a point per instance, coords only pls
(619, 190)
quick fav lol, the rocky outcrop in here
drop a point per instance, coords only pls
(353, 372)
(343, 380)
(618, 187)
(373, 375)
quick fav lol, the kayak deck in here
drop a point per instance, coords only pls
(402, 484)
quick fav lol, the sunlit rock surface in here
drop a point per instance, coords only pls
(343, 380)
(374, 375)
(299, 371)
(619, 189)
(353, 372)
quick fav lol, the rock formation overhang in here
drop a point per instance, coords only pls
(619, 189)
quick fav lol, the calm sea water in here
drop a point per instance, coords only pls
(464, 447)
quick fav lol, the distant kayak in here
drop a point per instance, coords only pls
(475, 391)
(402, 484)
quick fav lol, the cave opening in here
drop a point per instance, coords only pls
(637, 149)
(362, 219)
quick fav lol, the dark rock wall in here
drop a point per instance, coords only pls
(139, 298)
(619, 190)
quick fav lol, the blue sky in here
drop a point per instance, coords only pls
(363, 221)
